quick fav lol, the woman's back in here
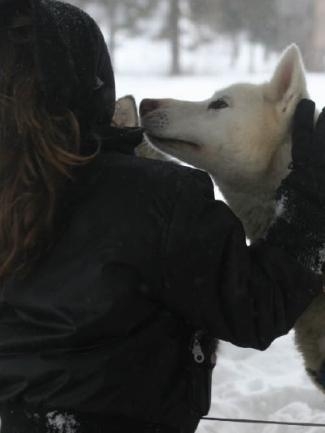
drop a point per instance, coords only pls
(87, 329)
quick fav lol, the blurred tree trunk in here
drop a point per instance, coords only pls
(113, 30)
(266, 54)
(252, 56)
(175, 15)
(235, 49)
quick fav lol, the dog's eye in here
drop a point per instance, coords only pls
(218, 104)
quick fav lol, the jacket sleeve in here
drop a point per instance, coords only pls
(247, 295)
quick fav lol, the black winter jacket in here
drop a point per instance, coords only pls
(147, 270)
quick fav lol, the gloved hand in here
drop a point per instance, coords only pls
(299, 225)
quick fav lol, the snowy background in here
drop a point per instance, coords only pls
(269, 385)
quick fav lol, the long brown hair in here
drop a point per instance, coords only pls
(37, 152)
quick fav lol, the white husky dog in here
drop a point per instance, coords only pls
(241, 136)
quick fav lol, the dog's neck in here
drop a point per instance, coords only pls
(254, 202)
(254, 209)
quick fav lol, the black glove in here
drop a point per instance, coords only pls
(299, 225)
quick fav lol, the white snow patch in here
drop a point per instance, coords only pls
(322, 256)
(61, 423)
(281, 207)
(317, 266)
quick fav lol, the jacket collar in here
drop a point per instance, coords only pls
(84, 178)
(111, 139)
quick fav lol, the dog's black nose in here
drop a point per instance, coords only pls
(148, 105)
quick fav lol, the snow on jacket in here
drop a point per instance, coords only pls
(147, 270)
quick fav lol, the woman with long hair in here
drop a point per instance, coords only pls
(117, 273)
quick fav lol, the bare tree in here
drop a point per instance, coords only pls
(220, 17)
(296, 24)
(120, 15)
(174, 20)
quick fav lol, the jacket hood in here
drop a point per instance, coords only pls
(72, 60)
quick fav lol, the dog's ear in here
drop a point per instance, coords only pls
(126, 113)
(288, 84)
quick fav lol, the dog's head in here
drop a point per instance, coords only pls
(239, 132)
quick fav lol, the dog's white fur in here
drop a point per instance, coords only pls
(246, 148)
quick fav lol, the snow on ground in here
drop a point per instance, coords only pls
(268, 385)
